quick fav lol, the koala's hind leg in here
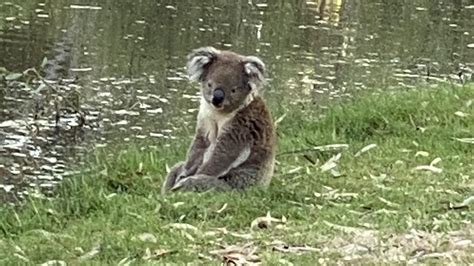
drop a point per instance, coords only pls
(241, 178)
(201, 183)
(176, 171)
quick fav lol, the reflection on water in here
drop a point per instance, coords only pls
(123, 63)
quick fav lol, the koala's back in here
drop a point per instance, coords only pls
(253, 126)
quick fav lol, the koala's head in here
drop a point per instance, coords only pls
(227, 78)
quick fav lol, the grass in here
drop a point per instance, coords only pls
(369, 208)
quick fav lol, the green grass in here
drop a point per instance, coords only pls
(119, 199)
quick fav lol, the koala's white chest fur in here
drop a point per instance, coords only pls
(211, 121)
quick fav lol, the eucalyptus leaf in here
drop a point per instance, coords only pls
(13, 76)
(335, 173)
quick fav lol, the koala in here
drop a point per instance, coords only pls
(235, 142)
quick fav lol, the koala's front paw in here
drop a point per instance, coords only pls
(201, 183)
(184, 183)
(196, 183)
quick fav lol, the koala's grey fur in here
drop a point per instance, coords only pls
(235, 141)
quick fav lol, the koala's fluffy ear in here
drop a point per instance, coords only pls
(255, 68)
(198, 60)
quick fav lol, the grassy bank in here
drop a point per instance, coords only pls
(369, 203)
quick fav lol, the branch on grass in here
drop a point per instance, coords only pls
(330, 147)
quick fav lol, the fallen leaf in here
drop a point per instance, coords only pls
(145, 237)
(429, 168)
(365, 149)
(422, 153)
(238, 255)
(183, 226)
(211, 233)
(92, 253)
(462, 244)
(295, 170)
(278, 121)
(202, 256)
(140, 168)
(333, 194)
(384, 211)
(222, 208)
(462, 205)
(380, 178)
(331, 147)
(241, 259)
(266, 221)
(21, 257)
(465, 140)
(335, 172)
(244, 236)
(53, 262)
(331, 163)
(468, 103)
(188, 236)
(155, 254)
(285, 262)
(435, 161)
(177, 204)
(353, 249)
(389, 203)
(126, 261)
(461, 114)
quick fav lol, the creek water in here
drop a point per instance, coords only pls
(121, 63)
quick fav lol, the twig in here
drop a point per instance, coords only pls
(57, 91)
(330, 147)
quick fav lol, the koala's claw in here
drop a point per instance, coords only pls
(184, 183)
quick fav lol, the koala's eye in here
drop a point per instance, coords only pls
(233, 90)
(209, 84)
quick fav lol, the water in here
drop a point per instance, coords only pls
(121, 64)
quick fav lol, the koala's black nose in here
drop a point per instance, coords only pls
(217, 97)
